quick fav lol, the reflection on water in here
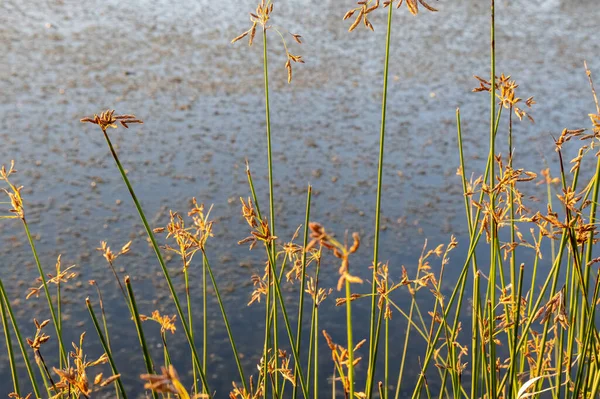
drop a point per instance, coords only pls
(170, 63)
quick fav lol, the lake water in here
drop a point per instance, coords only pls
(170, 62)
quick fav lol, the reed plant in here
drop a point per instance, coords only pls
(512, 325)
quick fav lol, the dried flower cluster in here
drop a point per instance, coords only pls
(191, 239)
(365, 7)
(73, 378)
(340, 251)
(506, 93)
(13, 192)
(167, 323)
(62, 276)
(108, 119)
(340, 357)
(168, 382)
(260, 228)
(261, 16)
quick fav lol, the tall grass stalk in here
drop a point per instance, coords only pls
(373, 331)
(140, 331)
(105, 324)
(105, 347)
(6, 303)
(42, 274)
(150, 233)
(302, 289)
(225, 320)
(9, 348)
(493, 255)
(190, 321)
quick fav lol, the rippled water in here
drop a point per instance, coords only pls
(170, 63)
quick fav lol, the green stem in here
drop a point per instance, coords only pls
(373, 344)
(140, 331)
(161, 261)
(302, 287)
(105, 347)
(9, 348)
(350, 340)
(46, 291)
(493, 232)
(4, 299)
(190, 319)
(225, 320)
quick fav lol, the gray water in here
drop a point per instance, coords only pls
(171, 63)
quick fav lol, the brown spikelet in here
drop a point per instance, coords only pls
(413, 6)
(288, 66)
(240, 37)
(349, 14)
(357, 20)
(252, 34)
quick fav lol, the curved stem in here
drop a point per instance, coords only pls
(161, 261)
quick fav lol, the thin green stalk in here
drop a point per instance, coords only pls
(271, 191)
(205, 318)
(268, 122)
(44, 371)
(46, 291)
(4, 299)
(9, 348)
(316, 332)
(373, 344)
(302, 286)
(45, 374)
(140, 330)
(266, 344)
(59, 313)
(190, 319)
(105, 324)
(105, 347)
(493, 232)
(225, 320)
(166, 354)
(517, 318)
(404, 351)
(386, 368)
(350, 340)
(161, 261)
(288, 329)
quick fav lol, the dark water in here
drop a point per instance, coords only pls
(170, 63)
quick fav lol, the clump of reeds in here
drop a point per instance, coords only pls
(526, 339)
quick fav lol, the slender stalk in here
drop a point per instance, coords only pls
(302, 287)
(190, 319)
(4, 299)
(161, 261)
(44, 370)
(105, 324)
(373, 339)
(288, 329)
(105, 347)
(46, 291)
(271, 191)
(205, 319)
(140, 330)
(350, 338)
(493, 231)
(9, 348)
(225, 319)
